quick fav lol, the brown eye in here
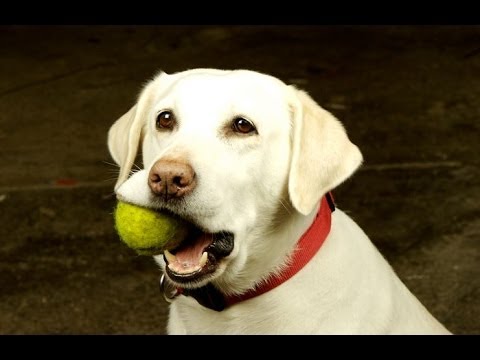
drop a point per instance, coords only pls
(243, 126)
(165, 120)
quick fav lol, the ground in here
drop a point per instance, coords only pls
(408, 96)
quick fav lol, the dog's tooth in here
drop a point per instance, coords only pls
(203, 259)
(169, 256)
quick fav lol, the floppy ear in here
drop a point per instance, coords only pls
(125, 134)
(123, 141)
(323, 156)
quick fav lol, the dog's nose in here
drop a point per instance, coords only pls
(171, 178)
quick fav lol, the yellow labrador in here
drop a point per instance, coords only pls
(250, 161)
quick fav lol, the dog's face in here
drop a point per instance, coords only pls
(230, 151)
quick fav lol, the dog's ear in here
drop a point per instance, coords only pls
(125, 135)
(322, 157)
(123, 141)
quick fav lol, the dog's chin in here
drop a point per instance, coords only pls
(199, 259)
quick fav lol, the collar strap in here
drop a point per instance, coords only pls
(307, 247)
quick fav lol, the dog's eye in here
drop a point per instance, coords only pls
(243, 126)
(165, 120)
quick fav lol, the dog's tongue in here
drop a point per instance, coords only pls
(191, 257)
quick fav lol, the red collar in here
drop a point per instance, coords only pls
(307, 247)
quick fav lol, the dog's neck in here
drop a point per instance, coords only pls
(311, 235)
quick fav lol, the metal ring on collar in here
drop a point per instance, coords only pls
(167, 289)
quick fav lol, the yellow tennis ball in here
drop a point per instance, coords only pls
(147, 231)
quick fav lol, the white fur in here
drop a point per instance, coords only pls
(265, 189)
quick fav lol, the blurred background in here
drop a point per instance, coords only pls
(408, 96)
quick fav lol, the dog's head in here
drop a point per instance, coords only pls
(232, 152)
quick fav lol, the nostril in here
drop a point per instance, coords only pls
(179, 181)
(155, 178)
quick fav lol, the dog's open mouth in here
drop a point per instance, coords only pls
(198, 255)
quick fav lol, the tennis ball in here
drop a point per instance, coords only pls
(147, 231)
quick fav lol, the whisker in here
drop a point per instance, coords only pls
(286, 205)
(109, 179)
(133, 171)
(110, 163)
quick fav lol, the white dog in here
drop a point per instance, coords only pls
(250, 161)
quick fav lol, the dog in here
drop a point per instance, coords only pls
(250, 161)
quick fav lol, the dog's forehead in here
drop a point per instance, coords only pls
(227, 84)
